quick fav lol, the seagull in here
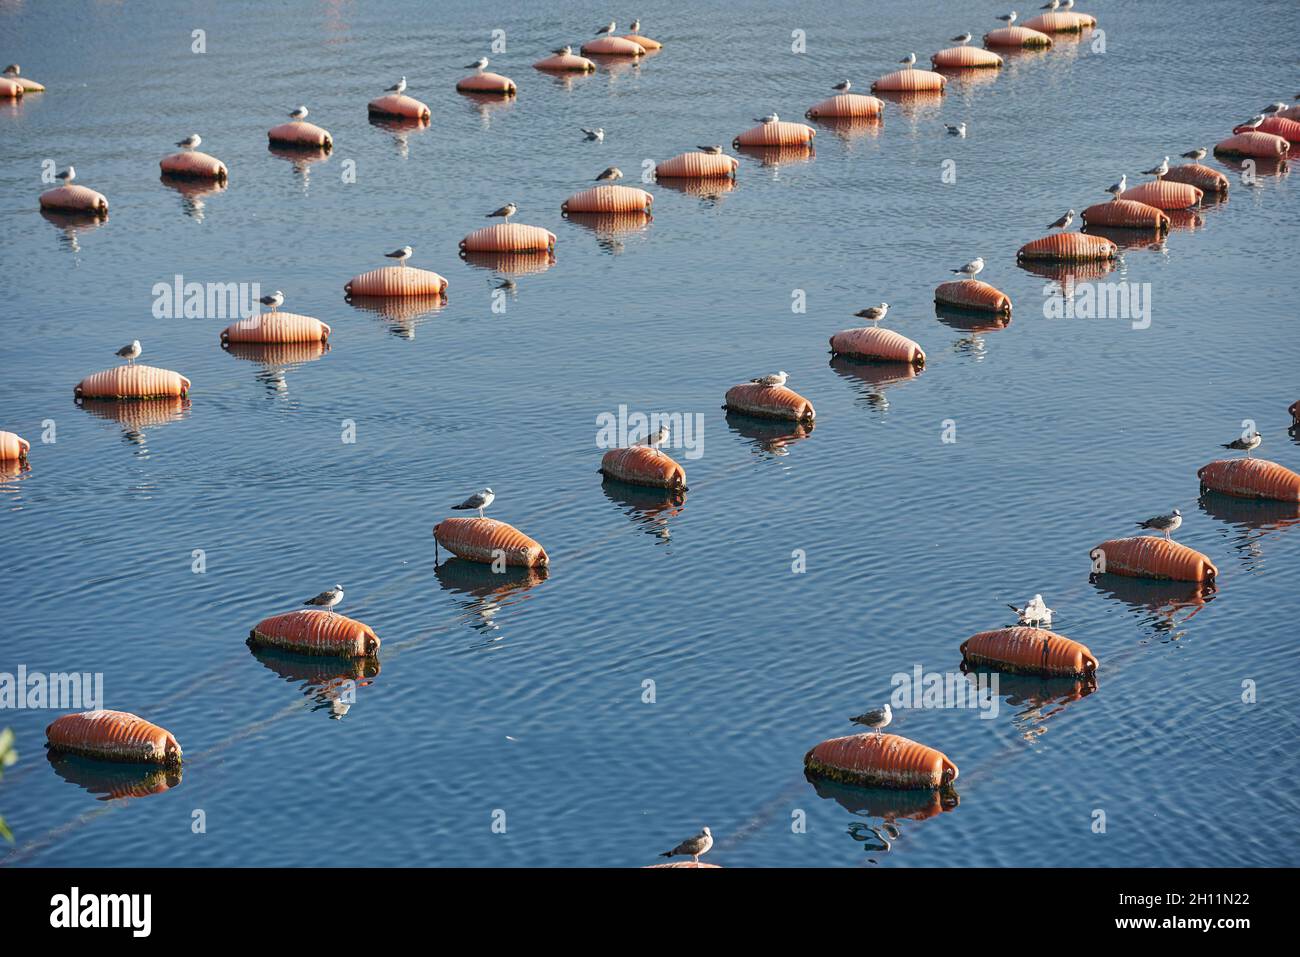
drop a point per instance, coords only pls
(1035, 612)
(1195, 155)
(1067, 4)
(909, 61)
(598, 134)
(132, 352)
(1254, 122)
(479, 500)
(610, 173)
(843, 86)
(399, 87)
(873, 313)
(190, 142)
(401, 254)
(563, 51)
(767, 120)
(961, 40)
(694, 846)
(958, 130)
(635, 27)
(607, 28)
(1277, 107)
(1245, 444)
(1064, 222)
(13, 69)
(299, 114)
(505, 212)
(1116, 188)
(876, 719)
(1164, 523)
(67, 175)
(771, 381)
(711, 150)
(1051, 5)
(275, 300)
(972, 268)
(478, 65)
(655, 439)
(1158, 171)
(327, 599)
(1008, 18)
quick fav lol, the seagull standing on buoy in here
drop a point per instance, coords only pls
(961, 40)
(1254, 122)
(1064, 222)
(130, 352)
(273, 301)
(656, 439)
(694, 846)
(607, 28)
(877, 719)
(399, 87)
(1008, 18)
(1164, 523)
(909, 61)
(972, 268)
(1116, 188)
(1272, 108)
(958, 130)
(773, 381)
(711, 150)
(873, 313)
(1158, 171)
(1067, 4)
(479, 500)
(767, 120)
(505, 212)
(598, 134)
(1245, 443)
(327, 599)
(1035, 612)
(563, 51)
(610, 173)
(1050, 5)
(401, 255)
(67, 175)
(479, 65)
(1196, 155)
(843, 86)
(299, 114)
(190, 142)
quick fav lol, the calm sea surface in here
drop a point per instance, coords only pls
(526, 695)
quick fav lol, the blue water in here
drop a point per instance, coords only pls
(526, 695)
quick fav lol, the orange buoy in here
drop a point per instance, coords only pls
(609, 199)
(972, 294)
(194, 165)
(311, 631)
(1128, 214)
(10, 88)
(642, 465)
(910, 81)
(644, 42)
(569, 63)
(846, 105)
(487, 540)
(1163, 194)
(1029, 651)
(1254, 144)
(276, 327)
(1209, 181)
(1288, 129)
(397, 281)
(769, 402)
(74, 198)
(1147, 556)
(874, 343)
(612, 46)
(1016, 37)
(113, 736)
(28, 85)
(400, 105)
(1251, 478)
(487, 83)
(13, 447)
(780, 133)
(880, 760)
(696, 165)
(508, 238)
(300, 133)
(1062, 247)
(965, 58)
(133, 382)
(1061, 21)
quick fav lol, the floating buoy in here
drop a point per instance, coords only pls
(874, 343)
(487, 540)
(400, 105)
(770, 402)
(508, 238)
(972, 294)
(880, 760)
(1209, 181)
(1163, 194)
(194, 165)
(696, 165)
(74, 198)
(29, 85)
(488, 83)
(1128, 214)
(311, 631)
(10, 88)
(397, 281)
(780, 133)
(612, 46)
(1255, 144)
(846, 105)
(569, 63)
(1061, 21)
(276, 327)
(1251, 478)
(1016, 37)
(910, 81)
(644, 42)
(1068, 247)
(1147, 556)
(1288, 129)
(133, 382)
(300, 133)
(113, 736)
(642, 465)
(609, 199)
(1029, 651)
(13, 447)
(965, 58)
